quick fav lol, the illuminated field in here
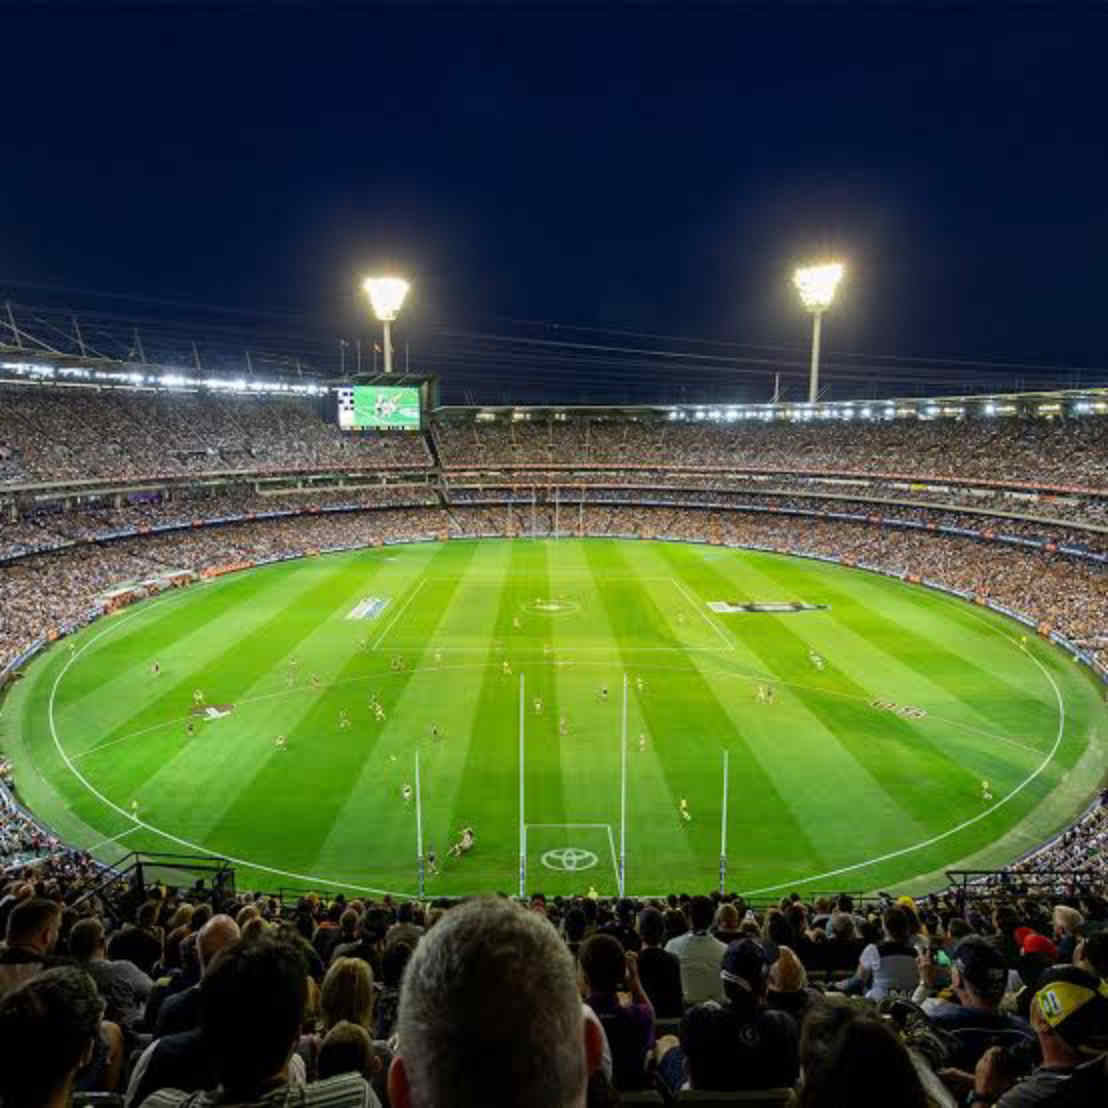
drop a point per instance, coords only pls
(864, 772)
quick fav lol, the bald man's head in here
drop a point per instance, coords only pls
(217, 934)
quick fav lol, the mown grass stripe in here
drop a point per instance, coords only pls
(692, 762)
(902, 759)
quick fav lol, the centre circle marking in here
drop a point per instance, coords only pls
(569, 858)
(552, 606)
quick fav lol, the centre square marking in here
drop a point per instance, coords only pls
(569, 858)
(552, 606)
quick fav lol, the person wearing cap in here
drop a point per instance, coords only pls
(978, 980)
(1070, 1016)
(740, 1044)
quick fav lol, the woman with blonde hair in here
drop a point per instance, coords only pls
(347, 993)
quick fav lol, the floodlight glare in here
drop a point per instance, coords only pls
(386, 295)
(817, 283)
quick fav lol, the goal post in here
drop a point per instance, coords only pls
(623, 792)
(419, 825)
(723, 828)
(522, 797)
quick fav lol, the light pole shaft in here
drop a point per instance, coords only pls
(387, 350)
(813, 375)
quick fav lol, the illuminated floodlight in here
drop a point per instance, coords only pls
(816, 285)
(386, 296)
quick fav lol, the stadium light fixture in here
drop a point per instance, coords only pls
(386, 296)
(816, 285)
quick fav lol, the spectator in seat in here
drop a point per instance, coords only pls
(124, 987)
(788, 985)
(700, 955)
(623, 926)
(659, 971)
(978, 980)
(726, 925)
(851, 1057)
(393, 963)
(490, 1016)
(888, 966)
(251, 1008)
(33, 928)
(1006, 922)
(575, 925)
(843, 947)
(49, 1027)
(346, 1048)
(367, 942)
(347, 994)
(181, 1012)
(1070, 1016)
(1068, 923)
(737, 1045)
(331, 932)
(609, 971)
(140, 944)
(1091, 955)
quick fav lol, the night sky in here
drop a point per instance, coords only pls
(621, 169)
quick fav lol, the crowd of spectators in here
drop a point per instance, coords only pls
(166, 996)
(568, 499)
(1057, 452)
(54, 433)
(72, 433)
(49, 591)
(56, 525)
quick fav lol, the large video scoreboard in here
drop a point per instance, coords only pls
(379, 407)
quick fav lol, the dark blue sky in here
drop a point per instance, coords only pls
(649, 171)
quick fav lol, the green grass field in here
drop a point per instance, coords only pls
(826, 790)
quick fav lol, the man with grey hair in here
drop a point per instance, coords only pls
(490, 1016)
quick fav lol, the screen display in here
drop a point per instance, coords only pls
(374, 406)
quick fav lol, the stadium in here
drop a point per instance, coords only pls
(553, 555)
(315, 660)
(310, 632)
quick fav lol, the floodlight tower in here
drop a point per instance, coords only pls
(386, 295)
(816, 285)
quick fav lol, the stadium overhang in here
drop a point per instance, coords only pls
(1064, 403)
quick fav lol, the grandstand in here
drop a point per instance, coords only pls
(112, 492)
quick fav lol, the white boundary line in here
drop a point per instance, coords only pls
(962, 826)
(400, 612)
(522, 796)
(612, 847)
(696, 607)
(384, 892)
(310, 878)
(113, 839)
